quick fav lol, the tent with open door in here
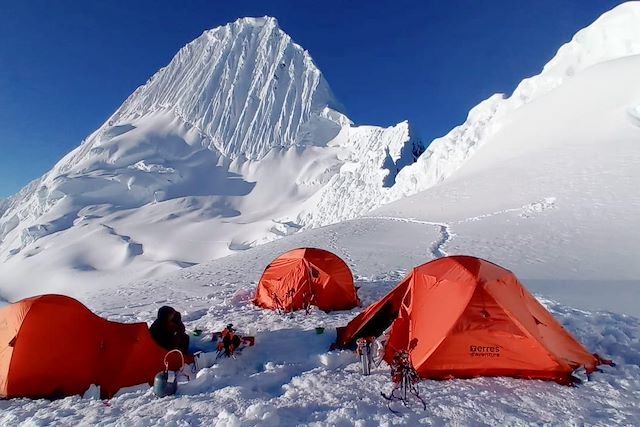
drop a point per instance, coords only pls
(464, 317)
(53, 346)
(304, 277)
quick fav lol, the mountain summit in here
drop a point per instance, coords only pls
(232, 144)
(239, 141)
(246, 86)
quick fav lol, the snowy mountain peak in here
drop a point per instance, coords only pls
(237, 142)
(254, 21)
(246, 87)
(226, 147)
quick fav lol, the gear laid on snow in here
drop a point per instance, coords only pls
(364, 351)
(405, 378)
(228, 343)
(165, 382)
(464, 317)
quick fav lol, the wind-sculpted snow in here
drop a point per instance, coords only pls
(246, 86)
(291, 378)
(447, 154)
(12, 210)
(238, 141)
(543, 183)
(235, 143)
(615, 34)
(374, 156)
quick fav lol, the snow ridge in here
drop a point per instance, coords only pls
(374, 157)
(447, 154)
(615, 34)
(12, 210)
(246, 86)
(239, 141)
(225, 148)
(238, 91)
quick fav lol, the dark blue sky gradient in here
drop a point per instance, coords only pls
(66, 65)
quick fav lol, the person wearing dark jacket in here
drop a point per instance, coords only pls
(169, 331)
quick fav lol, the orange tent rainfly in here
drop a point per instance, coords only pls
(304, 277)
(52, 346)
(464, 317)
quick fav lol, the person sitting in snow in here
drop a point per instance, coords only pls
(169, 331)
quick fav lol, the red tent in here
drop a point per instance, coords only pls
(53, 346)
(304, 277)
(464, 317)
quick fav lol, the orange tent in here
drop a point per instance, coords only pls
(464, 317)
(304, 277)
(52, 346)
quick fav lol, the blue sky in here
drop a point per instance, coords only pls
(66, 65)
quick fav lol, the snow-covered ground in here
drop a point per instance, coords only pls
(291, 378)
(544, 183)
(553, 195)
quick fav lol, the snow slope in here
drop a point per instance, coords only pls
(550, 192)
(616, 34)
(554, 192)
(246, 86)
(290, 377)
(183, 172)
(219, 151)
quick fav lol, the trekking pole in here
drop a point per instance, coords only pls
(364, 360)
(405, 384)
(364, 351)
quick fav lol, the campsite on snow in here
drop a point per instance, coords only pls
(230, 248)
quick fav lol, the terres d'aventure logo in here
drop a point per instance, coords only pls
(484, 350)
